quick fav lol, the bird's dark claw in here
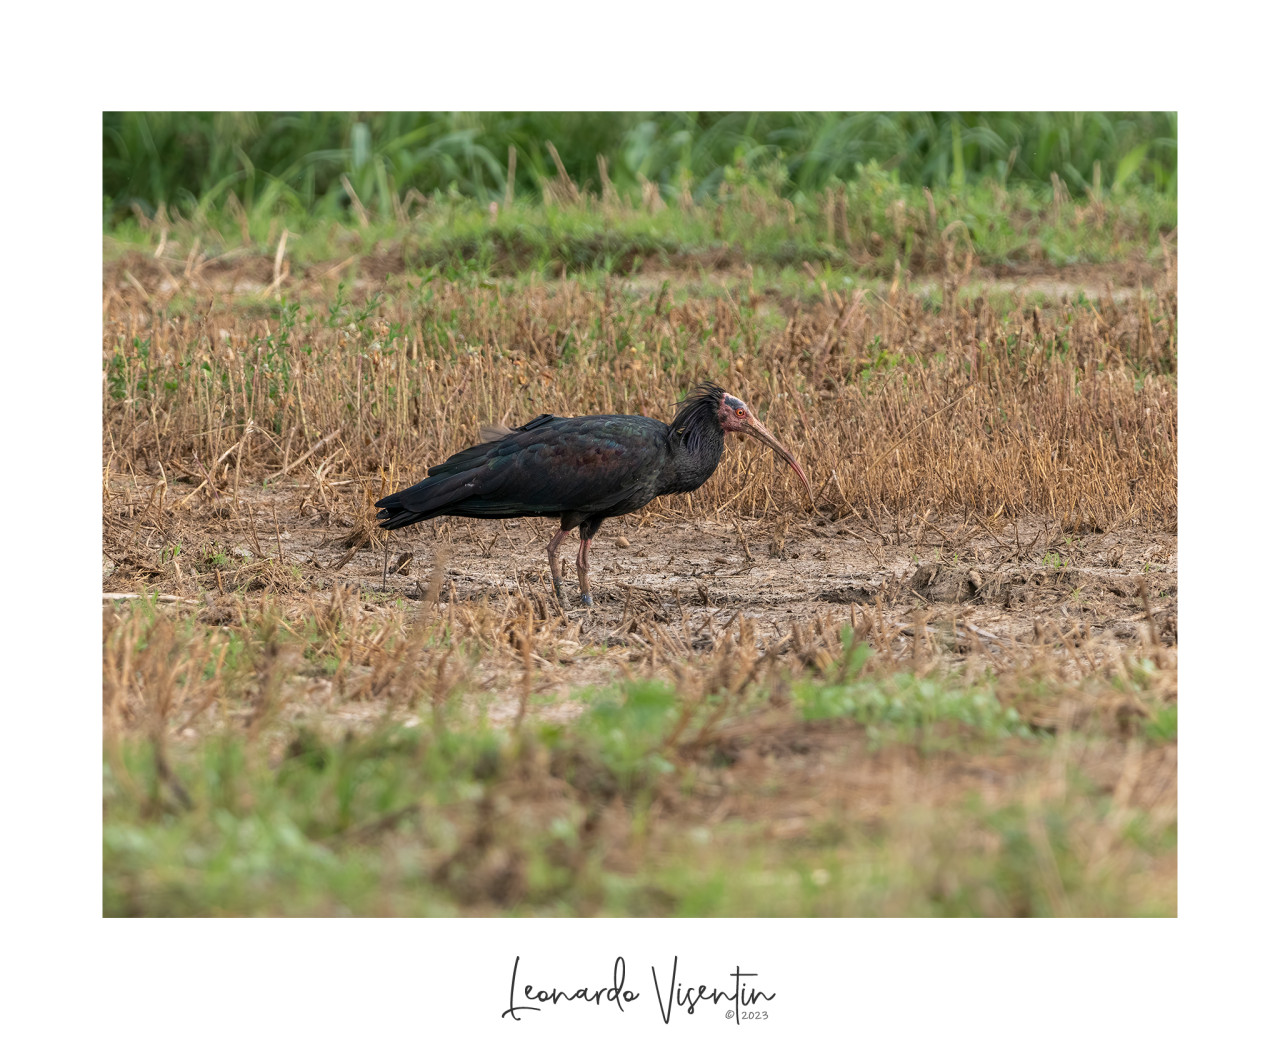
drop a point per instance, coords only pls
(588, 601)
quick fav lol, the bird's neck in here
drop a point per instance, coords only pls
(696, 448)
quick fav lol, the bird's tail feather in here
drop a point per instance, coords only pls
(430, 498)
(451, 487)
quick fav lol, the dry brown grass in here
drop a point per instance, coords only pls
(927, 427)
(894, 406)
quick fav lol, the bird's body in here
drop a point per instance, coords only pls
(580, 469)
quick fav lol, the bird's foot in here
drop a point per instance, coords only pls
(559, 589)
(588, 601)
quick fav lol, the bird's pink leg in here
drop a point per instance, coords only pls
(584, 581)
(552, 549)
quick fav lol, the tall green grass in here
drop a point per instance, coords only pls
(330, 162)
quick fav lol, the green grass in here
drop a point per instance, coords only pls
(872, 225)
(441, 814)
(1014, 858)
(291, 161)
(843, 195)
(904, 707)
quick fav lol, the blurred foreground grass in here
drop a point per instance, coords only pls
(846, 789)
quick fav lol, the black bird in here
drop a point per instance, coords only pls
(582, 470)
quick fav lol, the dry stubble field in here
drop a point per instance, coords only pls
(946, 686)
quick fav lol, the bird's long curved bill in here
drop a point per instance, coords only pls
(756, 429)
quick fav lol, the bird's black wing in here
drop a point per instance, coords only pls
(492, 432)
(550, 466)
(473, 457)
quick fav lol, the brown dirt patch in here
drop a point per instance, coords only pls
(949, 590)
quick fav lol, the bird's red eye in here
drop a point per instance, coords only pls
(740, 412)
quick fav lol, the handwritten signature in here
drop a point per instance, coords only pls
(677, 996)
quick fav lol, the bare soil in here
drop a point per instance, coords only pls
(691, 574)
(666, 588)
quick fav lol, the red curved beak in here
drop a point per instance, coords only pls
(752, 427)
